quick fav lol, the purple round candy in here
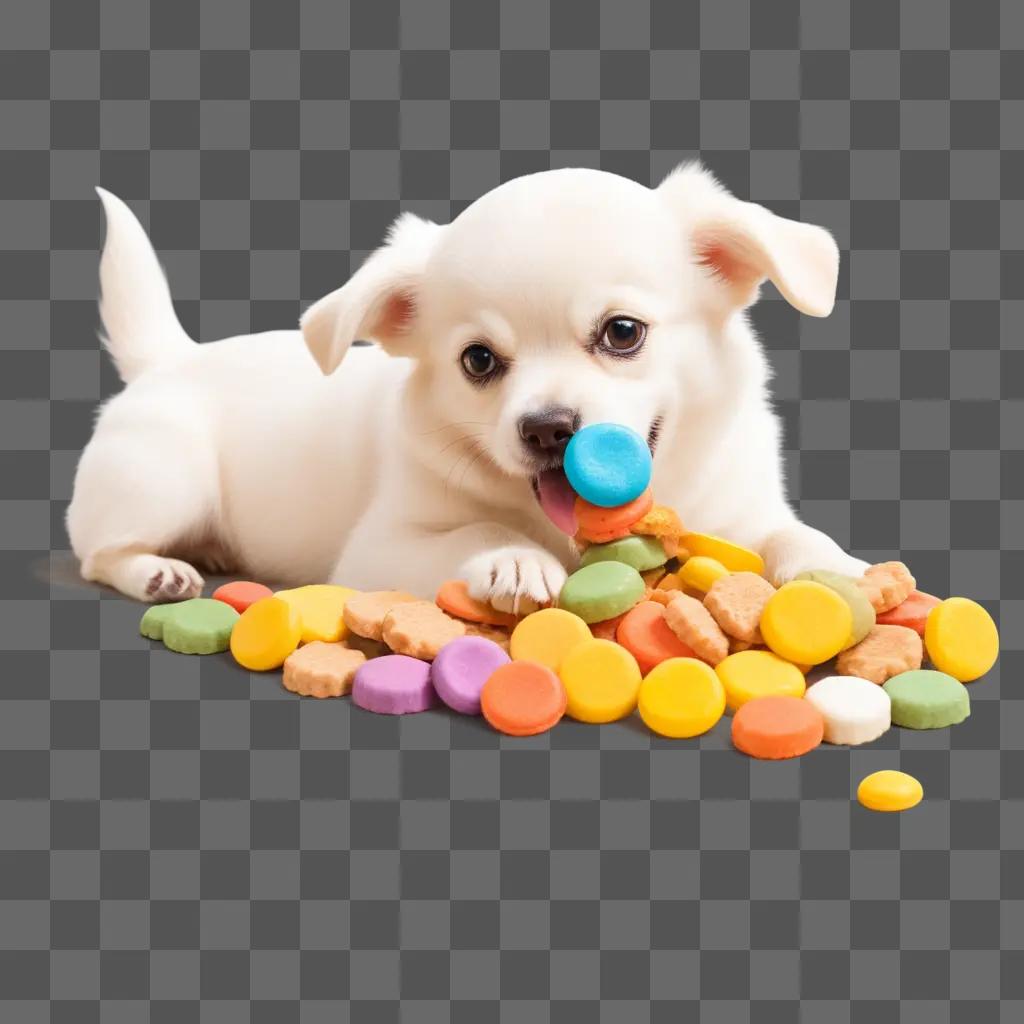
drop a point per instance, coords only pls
(462, 667)
(393, 685)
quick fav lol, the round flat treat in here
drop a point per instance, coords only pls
(806, 622)
(889, 791)
(199, 626)
(394, 685)
(733, 556)
(462, 667)
(321, 608)
(773, 728)
(601, 681)
(912, 613)
(641, 552)
(599, 525)
(846, 587)
(926, 699)
(265, 634)
(749, 674)
(680, 698)
(453, 597)
(607, 464)
(601, 591)
(523, 698)
(700, 572)
(855, 710)
(547, 636)
(961, 639)
(644, 632)
(241, 593)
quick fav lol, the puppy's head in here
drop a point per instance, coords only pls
(570, 297)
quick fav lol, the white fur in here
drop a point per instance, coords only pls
(382, 466)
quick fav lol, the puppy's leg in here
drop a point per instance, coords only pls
(502, 566)
(797, 548)
(137, 492)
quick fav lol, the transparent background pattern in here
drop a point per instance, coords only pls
(182, 842)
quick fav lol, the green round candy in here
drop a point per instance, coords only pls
(846, 587)
(642, 553)
(601, 591)
(152, 624)
(926, 699)
(198, 626)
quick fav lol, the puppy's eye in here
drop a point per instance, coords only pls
(622, 336)
(479, 362)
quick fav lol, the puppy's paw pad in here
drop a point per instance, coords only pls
(518, 580)
(168, 579)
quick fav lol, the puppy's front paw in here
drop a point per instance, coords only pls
(802, 549)
(515, 579)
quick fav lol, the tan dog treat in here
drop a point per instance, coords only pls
(419, 629)
(887, 585)
(885, 652)
(364, 613)
(695, 626)
(321, 669)
(495, 633)
(664, 523)
(735, 646)
(736, 601)
(664, 597)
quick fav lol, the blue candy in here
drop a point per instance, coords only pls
(608, 464)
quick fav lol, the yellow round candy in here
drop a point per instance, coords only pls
(750, 674)
(681, 697)
(732, 556)
(700, 572)
(889, 791)
(320, 607)
(547, 636)
(961, 639)
(601, 681)
(806, 623)
(265, 634)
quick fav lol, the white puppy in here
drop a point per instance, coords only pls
(561, 298)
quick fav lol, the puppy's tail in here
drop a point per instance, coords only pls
(141, 328)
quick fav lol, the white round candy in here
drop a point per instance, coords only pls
(855, 710)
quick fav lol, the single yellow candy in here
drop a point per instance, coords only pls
(732, 556)
(806, 623)
(320, 607)
(601, 681)
(700, 572)
(961, 639)
(889, 791)
(547, 636)
(265, 634)
(749, 674)
(681, 697)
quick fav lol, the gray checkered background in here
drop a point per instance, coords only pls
(182, 842)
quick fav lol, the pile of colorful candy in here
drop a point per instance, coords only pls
(680, 627)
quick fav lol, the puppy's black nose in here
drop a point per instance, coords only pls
(548, 430)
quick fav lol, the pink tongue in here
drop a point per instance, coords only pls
(558, 500)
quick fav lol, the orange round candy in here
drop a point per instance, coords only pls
(601, 525)
(523, 698)
(772, 728)
(644, 632)
(454, 598)
(241, 593)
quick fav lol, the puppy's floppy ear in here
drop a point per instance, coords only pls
(379, 301)
(741, 244)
